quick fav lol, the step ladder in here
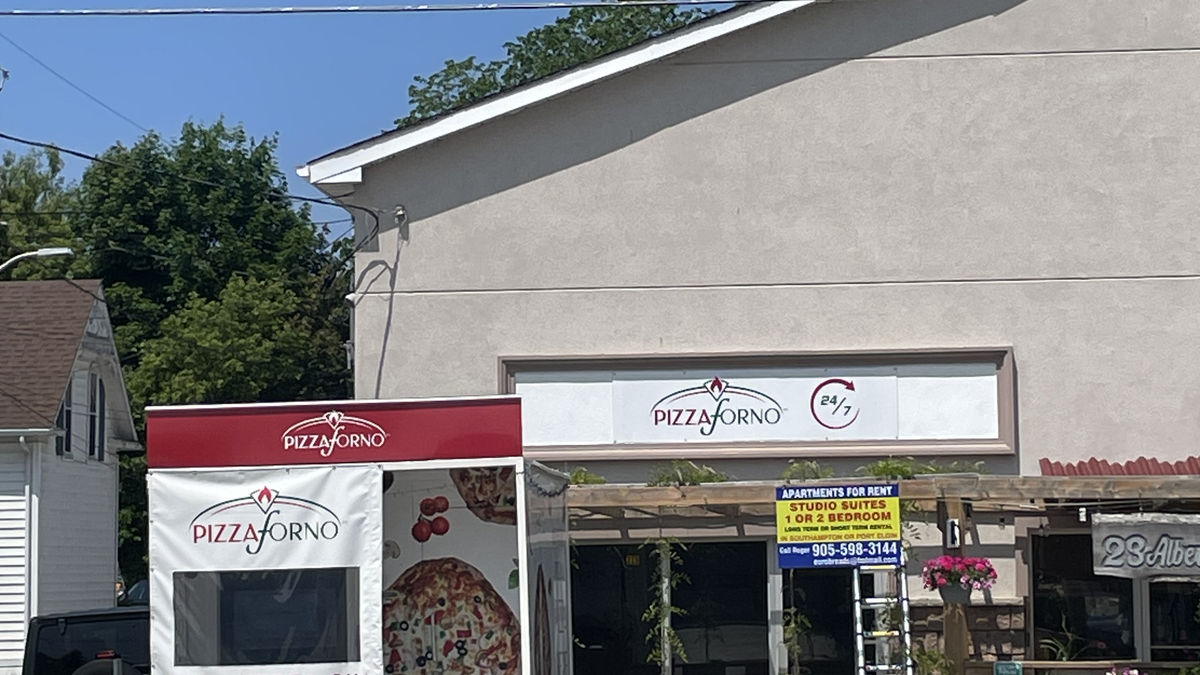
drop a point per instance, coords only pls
(890, 645)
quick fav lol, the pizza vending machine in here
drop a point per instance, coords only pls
(355, 538)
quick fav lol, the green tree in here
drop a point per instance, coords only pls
(583, 34)
(220, 290)
(157, 239)
(35, 206)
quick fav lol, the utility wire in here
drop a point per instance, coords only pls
(369, 9)
(200, 181)
(71, 84)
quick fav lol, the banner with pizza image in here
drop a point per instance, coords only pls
(451, 601)
(266, 570)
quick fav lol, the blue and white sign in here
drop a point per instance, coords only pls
(838, 525)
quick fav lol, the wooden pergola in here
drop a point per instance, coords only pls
(639, 507)
(1015, 494)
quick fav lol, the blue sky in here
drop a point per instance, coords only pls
(319, 81)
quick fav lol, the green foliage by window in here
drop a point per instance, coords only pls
(806, 470)
(583, 34)
(931, 661)
(683, 472)
(581, 476)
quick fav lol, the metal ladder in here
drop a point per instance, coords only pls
(883, 637)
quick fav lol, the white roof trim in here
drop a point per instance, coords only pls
(332, 168)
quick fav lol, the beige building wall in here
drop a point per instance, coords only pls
(855, 175)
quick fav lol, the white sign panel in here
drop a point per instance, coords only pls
(266, 571)
(883, 403)
(1140, 545)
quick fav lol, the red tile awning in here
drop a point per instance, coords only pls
(1142, 466)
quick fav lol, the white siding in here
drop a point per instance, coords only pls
(77, 524)
(13, 567)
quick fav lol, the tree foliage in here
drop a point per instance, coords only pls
(220, 290)
(583, 34)
(35, 203)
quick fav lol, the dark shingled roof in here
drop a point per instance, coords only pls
(41, 326)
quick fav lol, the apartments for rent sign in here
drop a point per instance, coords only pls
(838, 525)
(958, 401)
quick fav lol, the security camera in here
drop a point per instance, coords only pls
(400, 215)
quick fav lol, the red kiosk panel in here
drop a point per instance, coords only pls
(332, 432)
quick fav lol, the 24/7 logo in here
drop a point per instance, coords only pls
(834, 403)
(713, 404)
(265, 515)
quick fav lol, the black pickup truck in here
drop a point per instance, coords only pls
(113, 641)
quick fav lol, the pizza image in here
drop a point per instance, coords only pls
(490, 492)
(443, 617)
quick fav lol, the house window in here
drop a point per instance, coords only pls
(1078, 615)
(96, 430)
(62, 444)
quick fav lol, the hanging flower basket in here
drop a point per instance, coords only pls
(954, 594)
(954, 577)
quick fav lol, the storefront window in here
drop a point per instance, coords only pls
(825, 643)
(1174, 629)
(610, 589)
(1078, 616)
(724, 599)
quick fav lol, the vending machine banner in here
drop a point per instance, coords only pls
(266, 570)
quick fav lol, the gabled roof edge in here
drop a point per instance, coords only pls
(333, 167)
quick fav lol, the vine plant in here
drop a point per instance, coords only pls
(663, 640)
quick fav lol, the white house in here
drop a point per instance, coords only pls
(64, 416)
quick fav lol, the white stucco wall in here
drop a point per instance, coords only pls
(855, 175)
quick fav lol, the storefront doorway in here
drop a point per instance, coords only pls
(825, 635)
(724, 627)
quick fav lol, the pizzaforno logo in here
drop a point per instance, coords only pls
(333, 430)
(263, 517)
(713, 404)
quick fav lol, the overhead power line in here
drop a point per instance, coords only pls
(365, 9)
(369, 212)
(71, 84)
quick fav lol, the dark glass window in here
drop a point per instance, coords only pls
(610, 589)
(266, 617)
(1174, 630)
(1077, 615)
(63, 646)
(724, 598)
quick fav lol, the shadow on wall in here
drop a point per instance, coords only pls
(610, 115)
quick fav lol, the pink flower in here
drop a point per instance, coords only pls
(941, 582)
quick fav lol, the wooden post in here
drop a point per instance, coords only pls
(664, 588)
(954, 618)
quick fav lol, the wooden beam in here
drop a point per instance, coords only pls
(996, 493)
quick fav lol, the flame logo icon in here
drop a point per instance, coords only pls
(264, 498)
(333, 418)
(716, 387)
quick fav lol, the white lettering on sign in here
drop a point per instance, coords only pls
(1136, 551)
(333, 430)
